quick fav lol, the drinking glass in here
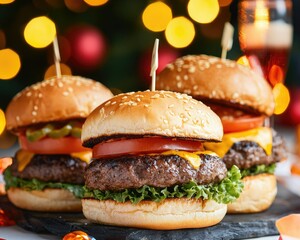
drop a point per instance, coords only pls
(265, 36)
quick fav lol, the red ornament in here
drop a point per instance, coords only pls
(88, 47)
(5, 220)
(166, 55)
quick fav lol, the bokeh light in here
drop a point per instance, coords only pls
(6, 1)
(282, 98)
(10, 64)
(76, 6)
(156, 16)
(96, 3)
(51, 71)
(276, 75)
(40, 32)
(224, 3)
(243, 60)
(2, 121)
(203, 11)
(180, 32)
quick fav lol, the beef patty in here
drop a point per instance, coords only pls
(52, 168)
(152, 170)
(246, 154)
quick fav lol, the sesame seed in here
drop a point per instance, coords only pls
(40, 95)
(178, 77)
(65, 93)
(171, 106)
(192, 69)
(70, 89)
(113, 103)
(28, 94)
(18, 118)
(107, 103)
(60, 84)
(218, 66)
(185, 77)
(35, 107)
(165, 121)
(34, 113)
(146, 105)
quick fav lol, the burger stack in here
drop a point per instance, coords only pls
(243, 100)
(47, 173)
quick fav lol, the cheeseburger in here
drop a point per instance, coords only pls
(243, 100)
(149, 168)
(47, 173)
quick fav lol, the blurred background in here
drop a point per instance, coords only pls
(111, 42)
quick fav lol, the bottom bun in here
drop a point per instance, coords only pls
(48, 200)
(168, 214)
(258, 194)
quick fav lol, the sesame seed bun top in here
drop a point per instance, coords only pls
(222, 80)
(55, 99)
(160, 113)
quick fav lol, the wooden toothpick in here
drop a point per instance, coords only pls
(227, 39)
(154, 64)
(56, 57)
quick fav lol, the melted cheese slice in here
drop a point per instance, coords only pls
(24, 157)
(262, 136)
(83, 156)
(193, 158)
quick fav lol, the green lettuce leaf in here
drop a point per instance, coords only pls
(34, 184)
(255, 170)
(225, 191)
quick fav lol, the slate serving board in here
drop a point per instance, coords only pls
(233, 226)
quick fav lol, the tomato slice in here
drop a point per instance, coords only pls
(235, 120)
(65, 145)
(145, 145)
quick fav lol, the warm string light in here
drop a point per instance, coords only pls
(2, 121)
(10, 64)
(95, 3)
(6, 1)
(156, 16)
(203, 11)
(40, 32)
(282, 98)
(51, 71)
(180, 32)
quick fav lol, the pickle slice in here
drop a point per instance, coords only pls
(76, 132)
(62, 132)
(34, 135)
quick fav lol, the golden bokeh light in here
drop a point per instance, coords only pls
(156, 16)
(243, 60)
(282, 98)
(96, 3)
(224, 3)
(180, 32)
(203, 11)
(40, 32)
(6, 1)
(51, 71)
(2, 121)
(10, 64)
